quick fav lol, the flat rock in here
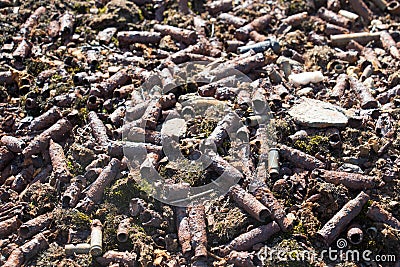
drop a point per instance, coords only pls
(318, 114)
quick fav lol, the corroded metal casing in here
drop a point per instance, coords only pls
(394, 7)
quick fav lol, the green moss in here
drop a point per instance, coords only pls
(313, 144)
(102, 10)
(299, 228)
(121, 193)
(115, 41)
(80, 218)
(83, 113)
(34, 67)
(140, 14)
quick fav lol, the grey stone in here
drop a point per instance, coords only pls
(318, 114)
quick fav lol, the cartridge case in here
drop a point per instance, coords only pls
(355, 234)
(361, 9)
(249, 203)
(355, 181)
(232, 20)
(123, 230)
(59, 162)
(377, 213)
(98, 129)
(82, 248)
(393, 7)
(6, 156)
(278, 214)
(131, 37)
(27, 251)
(9, 226)
(257, 235)
(96, 238)
(273, 162)
(14, 144)
(300, 159)
(332, 229)
(360, 37)
(179, 34)
(40, 143)
(197, 227)
(32, 227)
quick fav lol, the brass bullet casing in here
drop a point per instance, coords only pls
(273, 162)
(82, 248)
(96, 238)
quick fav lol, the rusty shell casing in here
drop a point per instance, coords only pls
(9, 226)
(182, 225)
(393, 7)
(197, 225)
(59, 162)
(98, 129)
(181, 35)
(249, 203)
(355, 181)
(95, 192)
(123, 230)
(128, 259)
(377, 213)
(27, 251)
(300, 159)
(46, 119)
(33, 226)
(131, 37)
(355, 234)
(6, 156)
(232, 20)
(219, 6)
(14, 144)
(296, 19)
(57, 132)
(257, 235)
(259, 24)
(367, 101)
(340, 87)
(361, 9)
(332, 17)
(266, 197)
(332, 229)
